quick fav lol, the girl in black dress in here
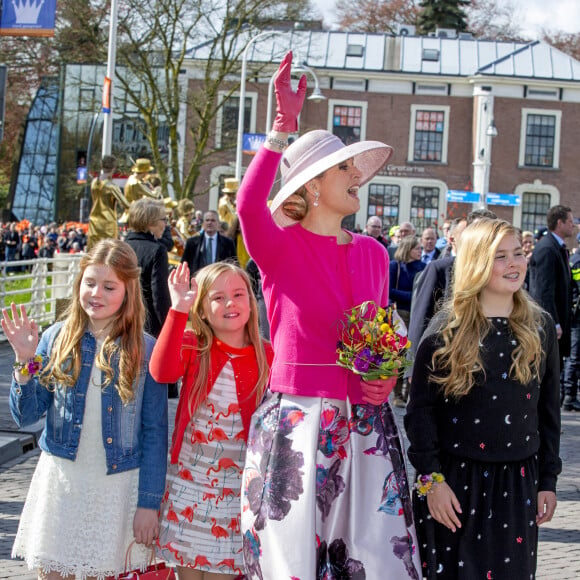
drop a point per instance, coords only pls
(483, 417)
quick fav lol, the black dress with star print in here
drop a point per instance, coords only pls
(497, 447)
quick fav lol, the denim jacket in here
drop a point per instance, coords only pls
(134, 435)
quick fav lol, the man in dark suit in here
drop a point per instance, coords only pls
(550, 277)
(209, 247)
(374, 229)
(429, 251)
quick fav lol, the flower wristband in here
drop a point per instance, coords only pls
(425, 483)
(29, 368)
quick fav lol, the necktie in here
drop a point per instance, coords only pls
(209, 251)
(425, 258)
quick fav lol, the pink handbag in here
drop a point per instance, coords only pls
(154, 571)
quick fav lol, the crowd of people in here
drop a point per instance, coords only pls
(284, 464)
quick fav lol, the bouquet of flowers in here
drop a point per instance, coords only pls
(373, 342)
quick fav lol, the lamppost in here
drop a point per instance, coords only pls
(111, 57)
(486, 131)
(316, 95)
(242, 107)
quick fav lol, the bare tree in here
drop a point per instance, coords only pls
(488, 19)
(155, 39)
(567, 42)
(375, 15)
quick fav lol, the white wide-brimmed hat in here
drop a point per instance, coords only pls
(317, 151)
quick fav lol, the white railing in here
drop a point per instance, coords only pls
(48, 281)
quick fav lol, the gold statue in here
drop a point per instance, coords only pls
(105, 194)
(227, 203)
(138, 185)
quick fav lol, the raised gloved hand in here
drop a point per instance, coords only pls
(288, 102)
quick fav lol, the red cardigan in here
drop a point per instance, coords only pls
(175, 356)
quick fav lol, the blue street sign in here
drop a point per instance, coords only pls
(460, 196)
(504, 199)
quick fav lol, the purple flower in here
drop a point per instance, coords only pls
(363, 360)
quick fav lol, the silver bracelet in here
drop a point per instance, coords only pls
(277, 143)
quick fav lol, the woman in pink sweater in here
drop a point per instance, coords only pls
(325, 490)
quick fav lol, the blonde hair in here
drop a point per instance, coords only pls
(458, 361)
(64, 363)
(205, 279)
(144, 213)
(405, 247)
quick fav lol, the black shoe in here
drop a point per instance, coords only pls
(571, 404)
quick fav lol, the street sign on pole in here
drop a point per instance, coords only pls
(509, 199)
(460, 196)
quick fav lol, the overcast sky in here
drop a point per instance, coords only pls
(552, 14)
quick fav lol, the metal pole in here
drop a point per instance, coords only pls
(242, 106)
(86, 207)
(111, 57)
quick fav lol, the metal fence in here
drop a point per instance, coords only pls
(43, 285)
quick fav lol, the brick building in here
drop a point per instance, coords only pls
(464, 116)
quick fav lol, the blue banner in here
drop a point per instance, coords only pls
(28, 18)
(252, 142)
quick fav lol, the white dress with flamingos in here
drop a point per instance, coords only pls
(200, 514)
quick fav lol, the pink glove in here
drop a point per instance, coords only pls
(288, 102)
(375, 392)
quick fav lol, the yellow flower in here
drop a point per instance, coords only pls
(384, 328)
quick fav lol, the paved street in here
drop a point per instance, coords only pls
(559, 552)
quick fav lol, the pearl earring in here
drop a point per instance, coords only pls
(316, 196)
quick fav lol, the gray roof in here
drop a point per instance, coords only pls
(462, 57)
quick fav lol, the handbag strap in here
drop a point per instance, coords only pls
(128, 565)
(398, 274)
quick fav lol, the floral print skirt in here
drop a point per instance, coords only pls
(498, 538)
(325, 493)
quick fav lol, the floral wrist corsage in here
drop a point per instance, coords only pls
(425, 483)
(31, 367)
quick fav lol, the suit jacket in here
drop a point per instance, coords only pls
(551, 285)
(194, 253)
(436, 254)
(429, 290)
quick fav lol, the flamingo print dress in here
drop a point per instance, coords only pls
(200, 514)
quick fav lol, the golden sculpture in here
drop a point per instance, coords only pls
(227, 203)
(105, 196)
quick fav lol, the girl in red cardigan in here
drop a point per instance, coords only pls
(224, 365)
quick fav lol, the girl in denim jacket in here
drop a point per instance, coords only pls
(100, 477)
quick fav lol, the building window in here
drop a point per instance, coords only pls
(347, 120)
(540, 138)
(424, 206)
(87, 100)
(346, 123)
(227, 120)
(429, 134)
(535, 207)
(384, 202)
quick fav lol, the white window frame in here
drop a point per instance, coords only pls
(406, 185)
(557, 137)
(347, 103)
(536, 187)
(222, 96)
(446, 110)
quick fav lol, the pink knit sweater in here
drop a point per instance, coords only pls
(309, 282)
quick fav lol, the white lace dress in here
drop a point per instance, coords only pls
(77, 519)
